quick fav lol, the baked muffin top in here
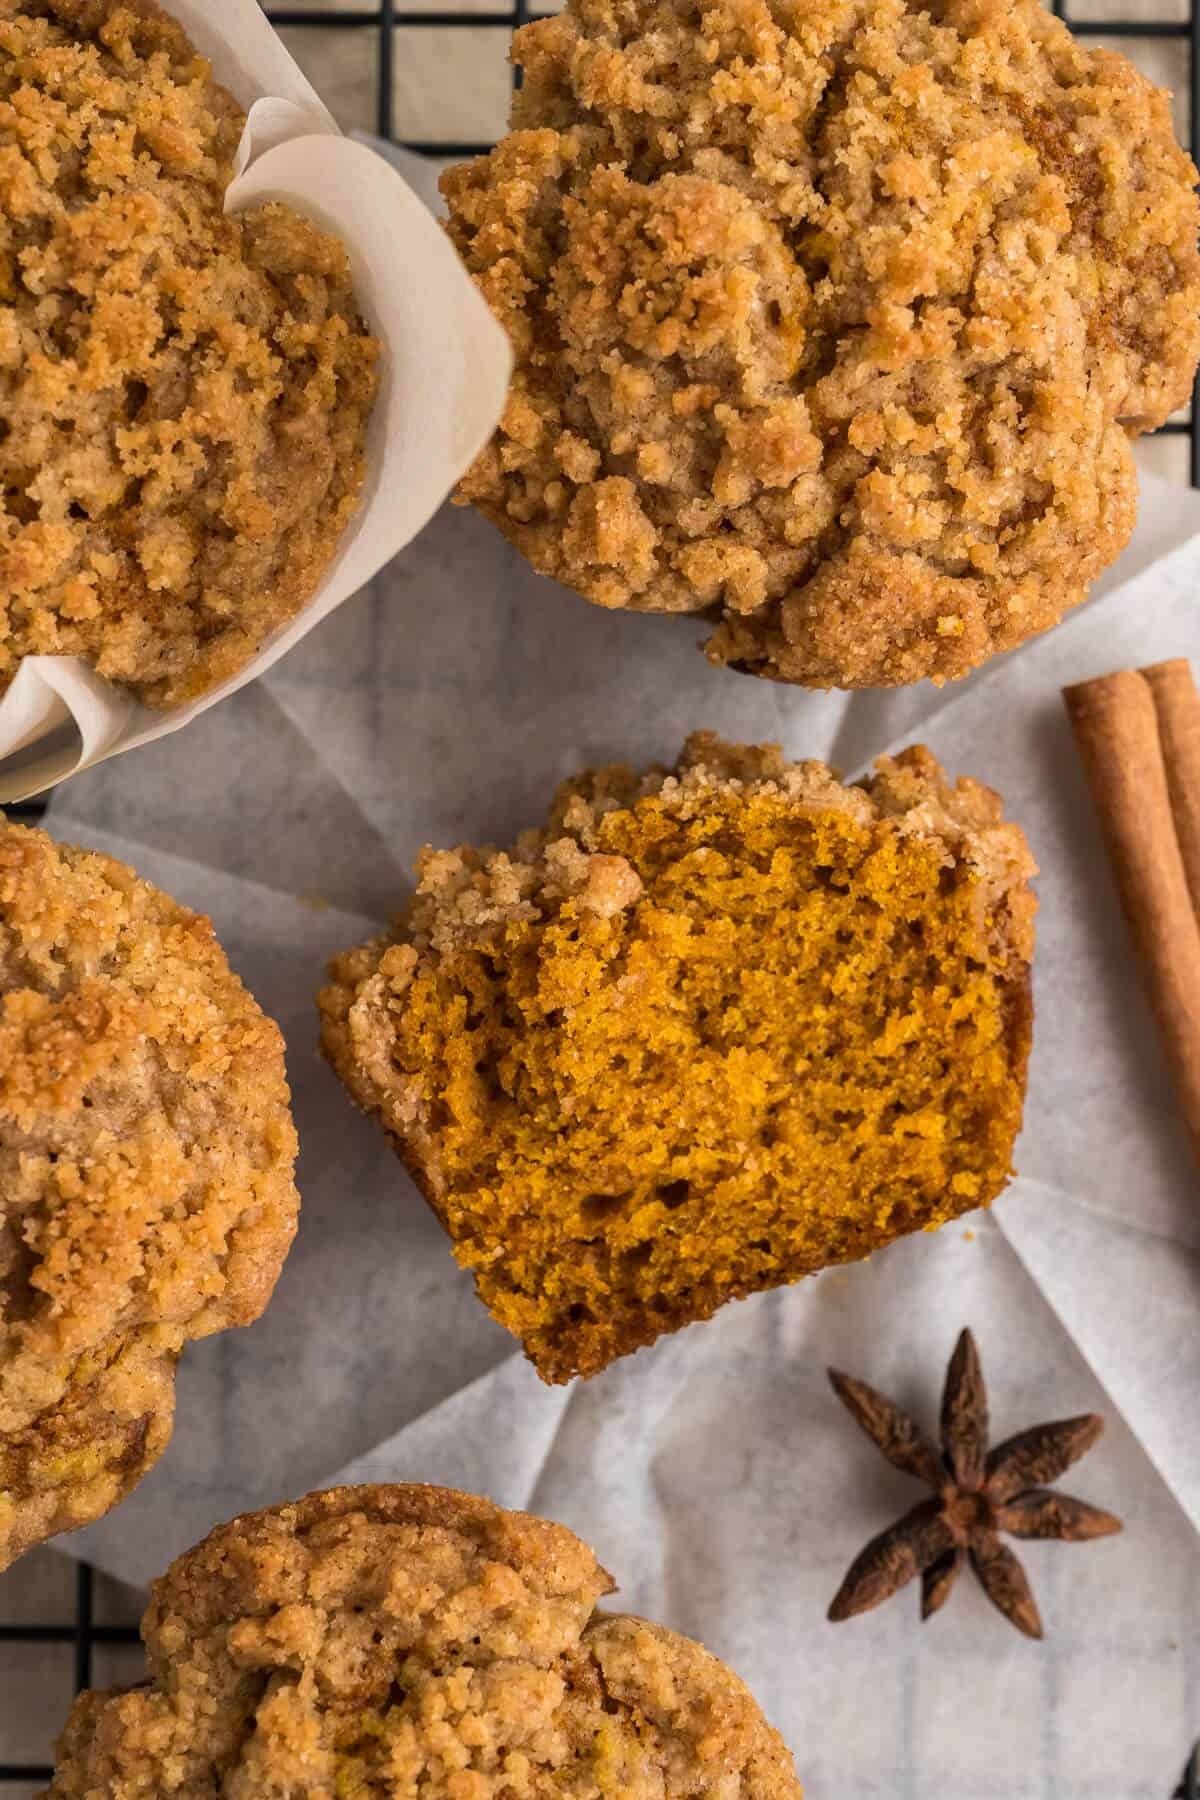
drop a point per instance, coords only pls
(708, 1030)
(146, 1154)
(183, 396)
(390, 1641)
(833, 319)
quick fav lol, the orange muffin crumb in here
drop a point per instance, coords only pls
(184, 396)
(708, 1031)
(832, 321)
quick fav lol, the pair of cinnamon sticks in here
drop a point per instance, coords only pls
(1138, 734)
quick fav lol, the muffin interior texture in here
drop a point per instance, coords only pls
(402, 1641)
(146, 1192)
(184, 396)
(705, 1033)
(833, 319)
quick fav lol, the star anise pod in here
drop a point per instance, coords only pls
(978, 1495)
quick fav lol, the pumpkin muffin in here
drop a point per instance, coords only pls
(709, 1030)
(146, 1193)
(184, 396)
(833, 320)
(396, 1641)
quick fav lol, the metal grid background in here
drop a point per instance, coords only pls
(383, 21)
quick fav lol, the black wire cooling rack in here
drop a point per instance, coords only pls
(383, 21)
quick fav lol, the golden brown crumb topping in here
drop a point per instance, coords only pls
(146, 1152)
(833, 319)
(183, 396)
(708, 1031)
(396, 1641)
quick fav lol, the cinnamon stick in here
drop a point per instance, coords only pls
(1117, 731)
(1177, 703)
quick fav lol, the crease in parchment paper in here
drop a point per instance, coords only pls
(344, 792)
(1152, 1374)
(714, 1473)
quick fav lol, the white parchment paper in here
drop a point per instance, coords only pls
(444, 375)
(715, 1474)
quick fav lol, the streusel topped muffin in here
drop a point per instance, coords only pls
(146, 1155)
(184, 396)
(710, 1029)
(833, 319)
(390, 1642)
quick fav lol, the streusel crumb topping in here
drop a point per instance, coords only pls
(146, 1154)
(833, 319)
(380, 1643)
(183, 396)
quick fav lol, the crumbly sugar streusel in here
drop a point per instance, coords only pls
(709, 1030)
(146, 1192)
(380, 1643)
(184, 396)
(833, 319)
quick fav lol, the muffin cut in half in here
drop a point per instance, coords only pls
(184, 395)
(709, 1030)
(146, 1192)
(833, 320)
(384, 1642)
